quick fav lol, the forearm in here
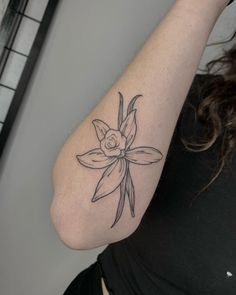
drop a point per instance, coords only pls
(162, 72)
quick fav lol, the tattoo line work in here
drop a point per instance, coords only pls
(115, 155)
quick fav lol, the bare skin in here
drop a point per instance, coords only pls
(104, 160)
(104, 289)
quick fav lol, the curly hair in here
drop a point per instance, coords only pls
(217, 111)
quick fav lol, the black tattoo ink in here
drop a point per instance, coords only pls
(115, 155)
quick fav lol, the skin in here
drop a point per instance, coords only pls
(174, 47)
(104, 289)
(115, 154)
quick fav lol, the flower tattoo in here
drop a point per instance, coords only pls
(115, 154)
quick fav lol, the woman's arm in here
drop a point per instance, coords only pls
(108, 169)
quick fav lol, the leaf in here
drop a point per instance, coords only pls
(132, 102)
(95, 159)
(121, 201)
(120, 114)
(130, 192)
(143, 155)
(111, 179)
(128, 128)
(101, 128)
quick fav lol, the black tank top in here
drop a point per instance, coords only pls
(180, 249)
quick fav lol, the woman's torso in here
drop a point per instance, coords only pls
(178, 249)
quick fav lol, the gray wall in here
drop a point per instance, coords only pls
(90, 43)
(3, 6)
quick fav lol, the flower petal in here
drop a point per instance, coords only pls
(120, 113)
(95, 159)
(143, 155)
(111, 179)
(130, 192)
(132, 102)
(121, 201)
(128, 128)
(101, 128)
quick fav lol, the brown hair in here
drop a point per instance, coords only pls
(217, 111)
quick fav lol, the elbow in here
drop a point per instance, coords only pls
(73, 238)
(77, 234)
(61, 219)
